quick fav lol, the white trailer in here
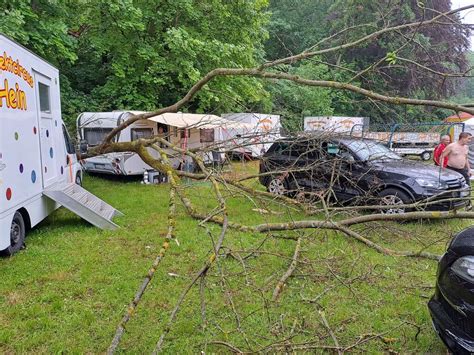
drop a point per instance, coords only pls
(419, 144)
(93, 127)
(38, 164)
(335, 124)
(256, 134)
(184, 130)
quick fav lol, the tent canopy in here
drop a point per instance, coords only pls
(200, 121)
(460, 117)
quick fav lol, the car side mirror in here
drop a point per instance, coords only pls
(347, 157)
(83, 146)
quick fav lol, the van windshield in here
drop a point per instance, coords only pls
(369, 150)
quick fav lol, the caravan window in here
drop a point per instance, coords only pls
(184, 133)
(95, 136)
(138, 133)
(207, 135)
(45, 105)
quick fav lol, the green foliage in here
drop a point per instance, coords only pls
(466, 91)
(137, 54)
(441, 48)
(40, 26)
(293, 102)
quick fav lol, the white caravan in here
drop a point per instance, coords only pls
(38, 165)
(335, 124)
(258, 132)
(469, 128)
(184, 130)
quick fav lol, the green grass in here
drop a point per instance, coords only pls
(68, 290)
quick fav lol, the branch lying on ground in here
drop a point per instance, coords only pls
(165, 246)
(288, 273)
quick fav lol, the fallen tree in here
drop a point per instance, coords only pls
(329, 219)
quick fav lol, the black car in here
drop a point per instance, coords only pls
(452, 306)
(358, 171)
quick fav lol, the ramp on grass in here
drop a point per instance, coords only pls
(84, 204)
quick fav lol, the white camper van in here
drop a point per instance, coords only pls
(39, 170)
(257, 134)
(184, 130)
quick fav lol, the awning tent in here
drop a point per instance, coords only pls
(460, 117)
(199, 121)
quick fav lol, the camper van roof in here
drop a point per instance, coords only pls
(193, 120)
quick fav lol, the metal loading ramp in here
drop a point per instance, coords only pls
(84, 204)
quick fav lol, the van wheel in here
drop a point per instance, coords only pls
(17, 234)
(277, 186)
(425, 156)
(394, 197)
(78, 179)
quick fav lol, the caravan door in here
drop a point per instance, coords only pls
(47, 130)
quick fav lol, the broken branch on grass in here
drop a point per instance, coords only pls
(281, 283)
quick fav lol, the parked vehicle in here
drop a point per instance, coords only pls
(469, 127)
(358, 171)
(419, 144)
(39, 170)
(93, 127)
(452, 306)
(185, 130)
(256, 133)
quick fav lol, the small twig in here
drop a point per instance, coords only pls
(288, 273)
(331, 333)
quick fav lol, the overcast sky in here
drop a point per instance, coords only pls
(466, 16)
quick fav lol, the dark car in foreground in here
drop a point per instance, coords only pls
(452, 306)
(358, 171)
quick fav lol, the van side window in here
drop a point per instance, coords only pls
(69, 146)
(95, 136)
(45, 103)
(138, 133)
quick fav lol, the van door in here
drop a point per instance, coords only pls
(49, 168)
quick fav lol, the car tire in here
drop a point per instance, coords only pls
(425, 156)
(392, 196)
(78, 180)
(17, 234)
(277, 186)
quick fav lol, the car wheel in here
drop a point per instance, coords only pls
(277, 186)
(425, 156)
(394, 197)
(78, 179)
(17, 234)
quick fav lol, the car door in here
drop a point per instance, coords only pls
(333, 171)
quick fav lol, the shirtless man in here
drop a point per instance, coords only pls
(457, 156)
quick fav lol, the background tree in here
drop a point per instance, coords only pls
(399, 64)
(140, 54)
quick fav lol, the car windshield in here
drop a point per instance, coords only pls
(368, 150)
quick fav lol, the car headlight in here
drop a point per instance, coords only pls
(464, 268)
(431, 183)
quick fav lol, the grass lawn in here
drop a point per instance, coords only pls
(71, 286)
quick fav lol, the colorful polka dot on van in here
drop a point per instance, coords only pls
(9, 194)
